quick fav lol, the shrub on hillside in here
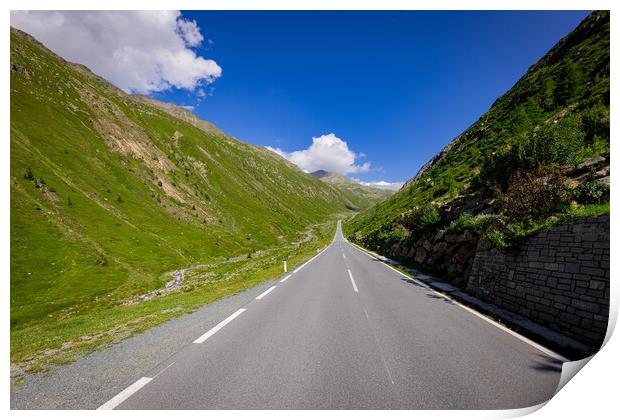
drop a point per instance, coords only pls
(553, 144)
(479, 224)
(29, 175)
(422, 219)
(382, 239)
(535, 194)
(592, 192)
(595, 122)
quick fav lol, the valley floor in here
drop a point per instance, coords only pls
(340, 331)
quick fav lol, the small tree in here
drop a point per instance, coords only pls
(535, 194)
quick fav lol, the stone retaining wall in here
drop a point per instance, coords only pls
(559, 278)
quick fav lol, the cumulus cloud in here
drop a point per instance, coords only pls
(326, 152)
(190, 32)
(394, 186)
(138, 51)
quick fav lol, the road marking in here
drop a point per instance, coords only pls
(470, 310)
(285, 279)
(344, 256)
(262, 295)
(218, 327)
(124, 394)
(352, 281)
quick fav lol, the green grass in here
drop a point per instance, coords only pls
(70, 336)
(504, 232)
(109, 193)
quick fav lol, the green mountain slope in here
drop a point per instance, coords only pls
(561, 103)
(110, 191)
(354, 190)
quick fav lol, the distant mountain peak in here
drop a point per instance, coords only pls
(321, 173)
(343, 181)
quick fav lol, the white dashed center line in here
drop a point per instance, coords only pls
(262, 295)
(353, 281)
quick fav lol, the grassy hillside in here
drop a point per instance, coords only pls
(355, 191)
(109, 192)
(556, 114)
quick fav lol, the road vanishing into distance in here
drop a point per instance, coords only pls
(342, 331)
(346, 331)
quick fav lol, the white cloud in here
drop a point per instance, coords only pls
(138, 51)
(188, 107)
(190, 32)
(326, 152)
(394, 186)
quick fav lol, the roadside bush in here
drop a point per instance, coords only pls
(557, 143)
(382, 239)
(552, 144)
(535, 194)
(479, 224)
(423, 219)
(592, 192)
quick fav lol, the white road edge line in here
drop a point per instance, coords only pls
(124, 394)
(472, 311)
(262, 295)
(218, 327)
(324, 249)
(285, 278)
(353, 281)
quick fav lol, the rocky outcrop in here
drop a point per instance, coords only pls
(448, 255)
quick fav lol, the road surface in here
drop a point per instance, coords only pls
(346, 331)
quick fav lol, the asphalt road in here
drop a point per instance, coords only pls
(345, 331)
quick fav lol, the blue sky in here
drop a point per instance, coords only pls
(395, 86)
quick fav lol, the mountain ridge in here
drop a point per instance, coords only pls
(111, 192)
(344, 182)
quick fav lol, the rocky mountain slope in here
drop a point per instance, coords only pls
(553, 118)
(111, 191)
